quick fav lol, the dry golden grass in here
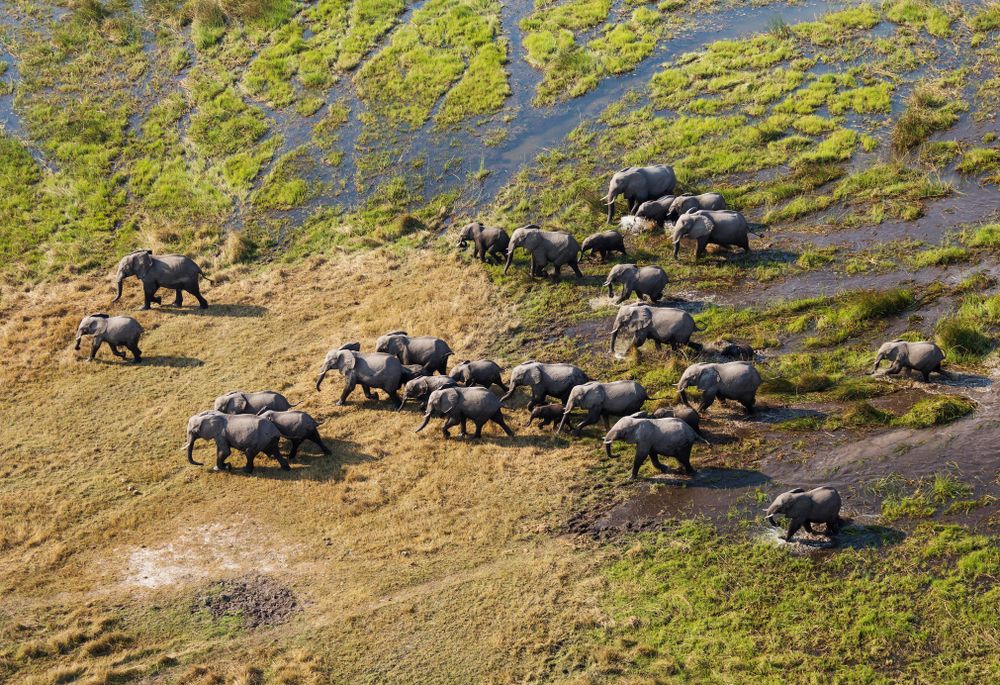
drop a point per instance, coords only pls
(415, 558)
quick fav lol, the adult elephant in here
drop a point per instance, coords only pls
(545, 380)
(724, 228)
(819, 505)
(654, 438)
(239, 402)
(687, 202)
(924, 357)
(249, 434)
(298, 427)
(169, 271)
(662, 325)
(603, 400)
(554, 248)
(460, 404)
(648, 281)
(429, 352)
(639, 184)
(367, 369)
(483, 372)
(730, 381)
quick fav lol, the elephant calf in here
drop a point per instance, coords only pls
(687, 202)
(732, 350)
(482, 372)
(656, 211)
(427, 351)
(249, 434)
(819, 505)
(730, 381)
(662, 325)
(602, 400)
(298, 427)
(649, 281)
(460, 404)
(545, 380)
(604, 243)
(654, 438)
(367, 369)
(546, 414)
(238, 402)
(420, 388)
(686, 414)
(489, 244)
(116, 331)
(925, 357)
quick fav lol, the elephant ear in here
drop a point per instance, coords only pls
(640, 318)
(143, 262)
(238, 402)
(795, 490)
(447, 400)
(345, 360)
(708, 378)
(595, 395)
(533, 375)
(702, 227)
(355, 346)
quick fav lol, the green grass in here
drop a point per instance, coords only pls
(962, 337)
(933, 106)
(920, 14)
(936, 411)
(987, 236)
(939, 256)
(834, 26)
(987, 19)
(979, 161)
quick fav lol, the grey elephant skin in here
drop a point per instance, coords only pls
(729, 381)
(819, 505)
(546, 414)
(460, 404)
(239, 402)
(367, 369)
(547, 248)
(251, 435)
(116, 331)
(427, 351)
(726, 228)
(686, 414)
(662, 325)
(297, 427)
(656, 210)
(924, 357)
(484, 372)
(603, 244)
(654, 438)
(602, 401)
(173, 271)
(421, 388)
(488, 244)
(646, 281)
(545, 380)
(687, 202)
(638, 185)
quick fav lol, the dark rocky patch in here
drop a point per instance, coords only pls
(258, 599)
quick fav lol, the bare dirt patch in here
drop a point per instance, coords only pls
(257, 599)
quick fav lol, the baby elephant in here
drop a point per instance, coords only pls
(685, 414)
(547, 413)
(420, 388)
(820, 505)
(298, 427)
(459, 404)
(115, 331)
(249, 434)
(238, 402)
(604, 243)
(649, 281)
(488, 244)
(482, 372)
(656, 211)
(925, 357)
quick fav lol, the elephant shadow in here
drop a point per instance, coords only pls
(171, 361)
(713, 479)
(251, 311)
(852, 536)
(963, 380)
(775, 415)
(311, 464)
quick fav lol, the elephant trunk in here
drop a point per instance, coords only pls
(607, 447)
(190, 451)
(614, 337)
(510, 258)
(878, 360)
(402, 401)
(677, 247)
(119, 277)
(423, 424)
(770, 519)
(79, 334)
(684, 397)
(510, 392)
(611, 206)
(322, 375)
(562, 421)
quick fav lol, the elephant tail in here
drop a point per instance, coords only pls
(204, 275)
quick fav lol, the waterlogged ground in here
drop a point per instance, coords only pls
(317, 158)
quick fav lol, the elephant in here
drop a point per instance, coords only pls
(367, 369)
(247, 433)
(545, 380)
(546, 247)
(925, 357)
(687, 202)
(686, 414)
(169, 271)
(731, 350)
(421, 387)
(482, 372)
(648, 281)
(604, 244)
(113, 330)
(430, 352)
(638, 185)
(546, 414)
(654, 438)
(819, 505)
(488, 244)
(662, 325)
(411, 371)
(656, 211)
(729, 381)
(715, 227)
(298, 427)
(602, 400)
(459, 404)
(239, 402)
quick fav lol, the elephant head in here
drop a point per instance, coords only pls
(91, 325)
(341, 359)
(635, 319)
(465, 235)
(586, 396)
(784, 503)
(392, 343)
(894, 351)
(527, 373)
(234, 402)
(634, 429)
(692, 224)
(441, 401)
(526, 237)
(134, 264)
(619, 183)
(702, 376)
(621, 273)
(680, 205)
(208, 425)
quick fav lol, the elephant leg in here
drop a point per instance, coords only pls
(833, 526)
(748, 405)
(195, 290)
(556, 275)
(315, 438)
(394, 397)
(295, 448)
(499, 383)
(179, 297)
(894, 369)
(700, 252)
(607, 422)
(479, 428)
(220, 460)
(926, 375)
(706, 400)
(136, 352)
(94, 346)
(498, 420)
(657, 464)
(149, 295)
(348, 389)
(368, 392)
(249, 465)
(640, 456)
(115, 351)
(591, 418)
(576, 268)
(808, 526)
(274, 452)
(451, 422)
(944, 374)
(793, 527)
(683, 457)
(537, 398)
